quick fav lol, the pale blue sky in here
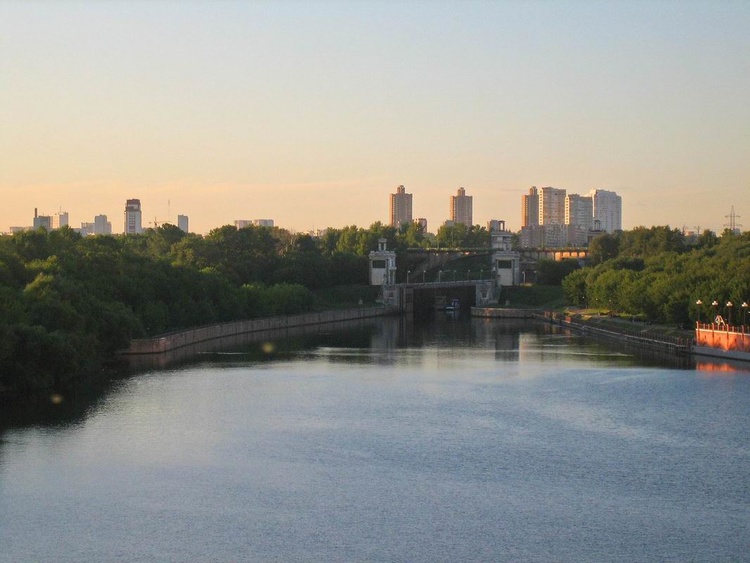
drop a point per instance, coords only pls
(311, 113)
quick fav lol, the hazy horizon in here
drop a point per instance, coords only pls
(311, 113)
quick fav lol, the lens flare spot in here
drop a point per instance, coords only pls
(268, 348)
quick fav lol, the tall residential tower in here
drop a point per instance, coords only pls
(461, 208)
(401, 207)
(133, 224)
(607, 210)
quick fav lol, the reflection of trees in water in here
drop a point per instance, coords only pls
(63, 407)
(366, 341)
(72, 406)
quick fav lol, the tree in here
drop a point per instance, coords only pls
(603, 248)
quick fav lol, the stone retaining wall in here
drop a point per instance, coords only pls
(166, 342)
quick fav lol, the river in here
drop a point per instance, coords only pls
(455, 440)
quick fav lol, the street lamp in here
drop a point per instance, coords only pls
(715, 304)
(729, 309)
(744, 312)
(440, 276)
(699, 303)
(407, 276)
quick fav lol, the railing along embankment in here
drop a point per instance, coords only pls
(653, 340)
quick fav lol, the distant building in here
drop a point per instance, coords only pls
(607, 210)
(102, 226)
(544, 236)
(182, 223)
(244, 223)
(530, 208)
(461, 208)
(401, 203)
(87, 229)
(422, 222)
(579, 211)
(133, 219)
(60, 220)
(14, 230)
(552, 206)
(42, 221)
(551, 218)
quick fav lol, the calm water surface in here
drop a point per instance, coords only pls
(456, 441)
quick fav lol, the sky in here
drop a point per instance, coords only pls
(311, 113)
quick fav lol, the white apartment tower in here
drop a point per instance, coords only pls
(133, 225)
(182, 223)
(401, 207)
(461, 208)
(607, 210)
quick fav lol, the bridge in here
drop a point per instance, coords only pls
(429, 296)
(435, 264)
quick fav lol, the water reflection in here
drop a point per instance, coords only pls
(386, 341)
(386, 440)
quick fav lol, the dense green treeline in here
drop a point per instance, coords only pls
(658, 274)
(68, 302)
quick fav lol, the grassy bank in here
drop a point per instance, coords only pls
(547, 297)
(626, 324)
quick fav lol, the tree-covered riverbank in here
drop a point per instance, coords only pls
(68, 302)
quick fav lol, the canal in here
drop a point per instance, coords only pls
(382, 440)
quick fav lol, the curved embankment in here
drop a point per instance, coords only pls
(652, 341)
(174, 340)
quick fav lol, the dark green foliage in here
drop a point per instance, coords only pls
(657, 276)
(552, 272)
(461, 236)
(68, 302)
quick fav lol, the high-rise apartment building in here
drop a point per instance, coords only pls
(133, 224)
(401, 207)
(530, 208)
(182, 223)
(579, 211)
(552, 206)
(607, 210)
(461, 208)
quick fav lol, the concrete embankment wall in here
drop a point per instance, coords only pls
(670, 344)
(166, 342)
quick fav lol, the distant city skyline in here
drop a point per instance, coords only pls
(307, 113)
